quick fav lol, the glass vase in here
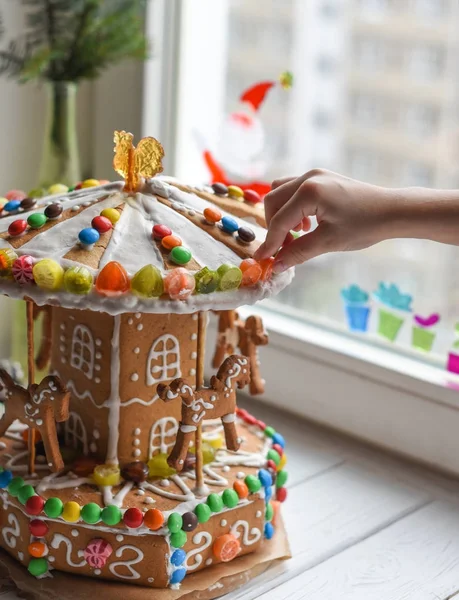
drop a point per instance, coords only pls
(60, 161)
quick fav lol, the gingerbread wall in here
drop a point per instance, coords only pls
(112, 366)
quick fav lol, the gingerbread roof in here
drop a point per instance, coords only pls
(96, 249)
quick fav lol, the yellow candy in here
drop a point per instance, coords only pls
(215, 440)
(48, 274)
(283, 462)
(90, 183)
(58, 188)
(158, 466)
(106, 475)
(71, 512)
(235, 192)
(3, 201)
(111, 214)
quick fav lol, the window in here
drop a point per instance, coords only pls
(82, 356)
(163, 360)
(162, 435)
(75, 433)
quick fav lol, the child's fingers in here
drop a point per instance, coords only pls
(282, 190)
(302, 249)
(278, 182)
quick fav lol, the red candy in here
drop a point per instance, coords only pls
(278, 449)
(113, 280)
(160, 231)
(271, 465)
(34, 505)
(261, 425)
(133, 518)
(17, 227)
(252, 197)
(281, 494)
(250, 420)
(38, 528)
(23, 269)
(101, 224)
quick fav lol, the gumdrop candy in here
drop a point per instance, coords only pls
(106, 475)
(113, 280)
(23, 269)
(251, 272)
(78, 280)
(179, 284)
(206, 281)
(148, 282)
(266, 265)
(97, 552)
(230, 277)
(208, 452)
(7, 258)
(48, 274)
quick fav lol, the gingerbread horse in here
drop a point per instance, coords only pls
(217, 401)
(40, 406)
(233, 332)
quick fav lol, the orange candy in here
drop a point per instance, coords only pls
(241, 489)
(25, 435)
(37, 549)
(226, 547)
(179, 284)
(212, 215)
(276, 511)
(171, 241)
(251, 272)
(153, 519)
(113, 280)
(266, 265)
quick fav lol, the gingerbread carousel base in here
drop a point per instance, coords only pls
(204, 585)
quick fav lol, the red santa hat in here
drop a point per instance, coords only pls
(256, 94)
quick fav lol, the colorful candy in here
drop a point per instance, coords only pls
(37, 549)
(5, 478)
(178, 576)
(281, 494)
(174, 522)
(54, 210)
(252, 196)
(78, 280)
(148, 282)
(87, 183)
(220, 189)
(281, 479)
(36, 220)
(226, 547)
(153, 519)
(251, 272)
(58, 188)
(101, 224)
(12, 205)
(241, 489)
(53, 507)
(178, 539)
(38, 566)
(206, 281)
(245, 235)
(111, 515)
(106, 475)
(266, 265)
(7, 258)
(179, 284)
(253, 483)
(171, 241)
(17, 227)
(160, 231)
(88, 237)
(48, 274)
(180, 255)
(235, 191)
(28, 203)
(71, 512)
(215, 502)
(230, 277)
(229, 225)
(90, 513)
(15, 195)
(97, 552)
(158, 466)
(135, 471)
(212, 215)
(38, 528)
(34, 505)
(133, 518)
(111, 214)
(113, 280)
(203, 512)
(230, 498)
(269, 531)
(274, 456)
(190, 521)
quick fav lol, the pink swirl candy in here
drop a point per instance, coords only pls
(97, 552)
(22, 269)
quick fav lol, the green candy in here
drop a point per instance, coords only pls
(53, 507)
(36, 220)
(178, 539)
(148, 282)
(206, 281)
(180, 255)
(15, 485)
(269, 512)
(230, 277)
(215, 502)
(37, 193)
(78, 280)
(269, 432)
(230, 498)
(175, 522)
(281, 479)
(253, 483)
(273, 455)
(203, 512)
(90, 513)
(38, 566)
(111, 515)
(26, 492)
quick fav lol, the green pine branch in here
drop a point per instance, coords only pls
(71, 40)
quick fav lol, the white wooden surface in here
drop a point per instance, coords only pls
(362, 525)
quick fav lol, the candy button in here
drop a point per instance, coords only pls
(179, 284)
(278, 449)
(111, 214)
(12, 205)
(174, 522)
(37, 193)
(190, 521)
(78, 280)
(38, 566)
(111, 515)
(87, 183)
(37, 549)
(230, 498)
(148, 282)
(154, 519)
(53, 507)
(171, 241)
(212, 215)
(229, 225)
(101, 224)
(71, 512)
(203, 512)
(54, 211)
(269, 431)
(281, 479)
(282, 462)
(178, 539)
(90, 513)
(58, 188)
(106, 475)
(15, 485)
(265, 478)
(113, 280)
(241, 489)
(230, 277)
(215, 502)
(206, 281)
(281, 494)
(178, 557)
(274, 456)
(88, 237)
(269, 531)
(235, 191)
(48, 274)
(15, 195)
(36, 220)
(133, 518)
(252, 196)
(28, 203)
(7, 258)
(180, 255)
(135, 471)
(34, 505)
(17, 227)
(226, 547)
(38, 528)
(161, 231)
(177, 576)
(245, 235)
(253, 483)
(279, 439)
(220, 189)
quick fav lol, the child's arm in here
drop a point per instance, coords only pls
(351, 215)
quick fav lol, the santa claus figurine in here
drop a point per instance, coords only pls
(238, 158)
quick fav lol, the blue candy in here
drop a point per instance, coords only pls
(12, 205)
(88, 236)
(178, 576)
(269, 531)
(178, 557)
(279, 439)
(265, 477)
(268, 494)
(229, 224)
(5, 478)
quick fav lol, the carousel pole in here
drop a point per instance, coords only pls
(202, 322)
(31, 378)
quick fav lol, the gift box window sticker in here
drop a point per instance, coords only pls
(357, 308)
(423, 332)
(393, 310)
(452, 364)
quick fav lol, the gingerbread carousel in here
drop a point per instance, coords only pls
(121, 464)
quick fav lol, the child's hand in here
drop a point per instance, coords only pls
(351, 215)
